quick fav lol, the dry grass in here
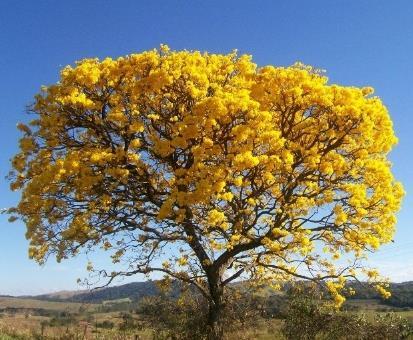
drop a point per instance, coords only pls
(19, 327)
(11, 302)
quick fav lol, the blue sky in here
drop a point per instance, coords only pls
(358, 42)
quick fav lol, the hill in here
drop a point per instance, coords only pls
(402, 293)
(8, 303)
(133, 291)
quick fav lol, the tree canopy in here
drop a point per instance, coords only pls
(207, 168)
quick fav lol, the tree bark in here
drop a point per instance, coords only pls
(215, 324)
(216, 311)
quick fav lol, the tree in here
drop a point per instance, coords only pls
(222, 169)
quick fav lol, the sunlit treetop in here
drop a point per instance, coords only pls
(245, 171)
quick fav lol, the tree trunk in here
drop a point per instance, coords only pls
(215, 325)
(216, 313)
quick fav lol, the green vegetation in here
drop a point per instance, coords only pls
(402, 294)
(308, 317)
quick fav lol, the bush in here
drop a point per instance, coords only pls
(306, 314)
(128, 322)
(182, 318)
(63, 319)
(309, 317)
(185, 318)
(106, 324)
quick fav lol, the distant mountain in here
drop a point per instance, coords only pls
(134, 291)
(62, 295)
(402, 293)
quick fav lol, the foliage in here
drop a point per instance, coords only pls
(236, 170)
(309, 317)
(186, 317)
(128, 322)
(306, 314)
(105, 324)
(401, 294)
(178, 319)
(62, 319)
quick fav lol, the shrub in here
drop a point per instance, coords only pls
(106, 324)
(128, 322)
(309, 317)
(186, 317)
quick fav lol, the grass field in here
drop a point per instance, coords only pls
(19, 328)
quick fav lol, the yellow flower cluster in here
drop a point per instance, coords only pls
(334, 288)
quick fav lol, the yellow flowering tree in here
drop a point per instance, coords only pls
(208, 169)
